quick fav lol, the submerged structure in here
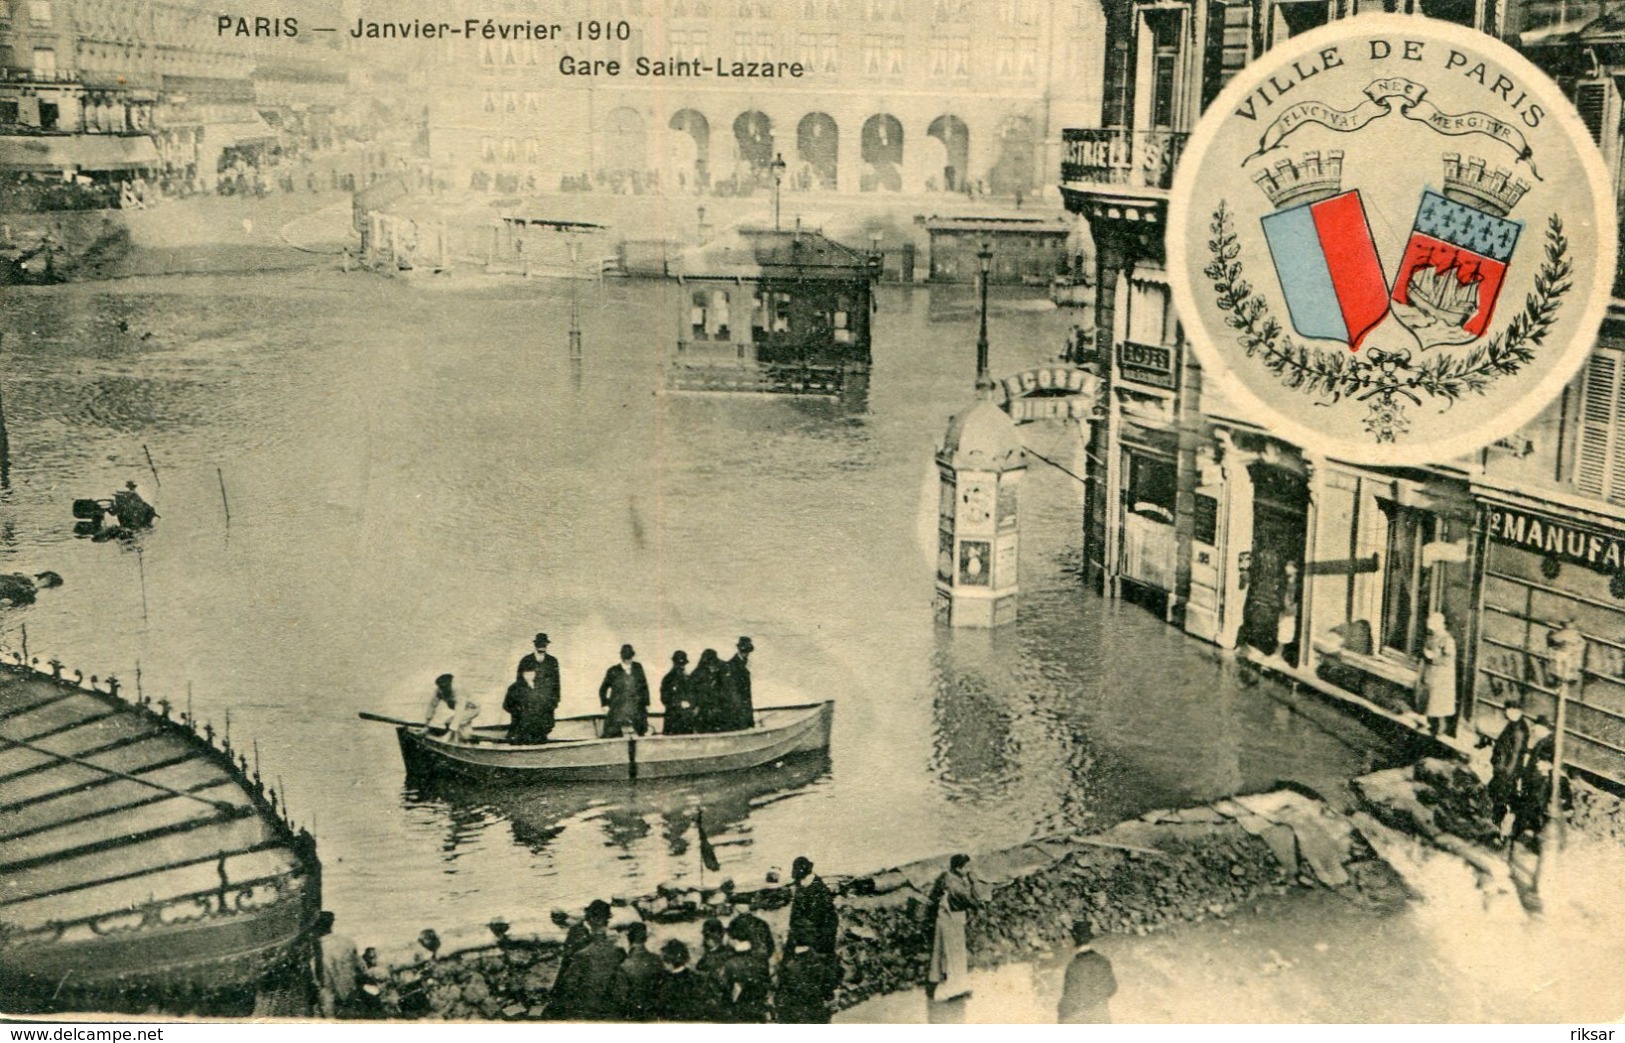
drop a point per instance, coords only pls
(143, 864)
(772, 311)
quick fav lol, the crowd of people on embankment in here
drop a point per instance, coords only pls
(740, 973)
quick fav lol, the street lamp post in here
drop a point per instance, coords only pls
(1567, 646)
(777, 166)
(984, 262)
(575, 304)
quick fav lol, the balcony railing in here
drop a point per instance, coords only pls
(64, 76)
(1114, 156)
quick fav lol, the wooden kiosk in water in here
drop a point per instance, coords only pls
(772, 311)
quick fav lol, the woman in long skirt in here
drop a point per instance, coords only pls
(952, 898)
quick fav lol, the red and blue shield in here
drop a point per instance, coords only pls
(1452, 270)
(1328, 268)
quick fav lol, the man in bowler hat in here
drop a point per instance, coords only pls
(533, 698)
(624, 695)
(737, 711)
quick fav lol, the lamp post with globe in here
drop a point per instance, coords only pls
(778, 167)
(1567, 648)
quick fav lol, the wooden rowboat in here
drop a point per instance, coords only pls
(576, 752)
(140, 865)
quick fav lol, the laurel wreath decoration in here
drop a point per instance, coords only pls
(1387, 380)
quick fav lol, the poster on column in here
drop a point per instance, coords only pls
(597, 511)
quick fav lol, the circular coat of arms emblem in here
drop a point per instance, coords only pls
(1392, 240)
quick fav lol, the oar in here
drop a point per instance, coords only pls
(366, 715)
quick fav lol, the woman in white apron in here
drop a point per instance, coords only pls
(952, 898)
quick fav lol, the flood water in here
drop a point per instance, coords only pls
(417, 480)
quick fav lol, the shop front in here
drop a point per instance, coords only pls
(1543, 565)
(1391, 551)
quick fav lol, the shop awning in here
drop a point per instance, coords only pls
(82, 152)
(244, 129)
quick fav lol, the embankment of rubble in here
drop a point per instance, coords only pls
(1161, 870)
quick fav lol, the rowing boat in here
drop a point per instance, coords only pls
(577, 752)
(141, 866)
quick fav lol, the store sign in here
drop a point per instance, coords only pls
(1600, 551)
(1150, 364)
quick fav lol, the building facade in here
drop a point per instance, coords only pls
(1320, 570)
(894, 96)
(159, 73)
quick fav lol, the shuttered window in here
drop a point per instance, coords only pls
(1600, 467)
(1594, 99)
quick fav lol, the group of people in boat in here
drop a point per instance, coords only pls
(713, 697)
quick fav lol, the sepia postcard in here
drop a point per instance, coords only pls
(807, 511)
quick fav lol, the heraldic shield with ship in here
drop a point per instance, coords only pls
(1395, 242)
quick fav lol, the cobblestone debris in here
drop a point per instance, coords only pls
(1164, 869)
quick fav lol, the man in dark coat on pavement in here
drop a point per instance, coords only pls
(1089, 982)
(625, 696)
(638, 977)
(813, 921)
(737, 711)
(746, 979)
(683, 994)
(534, 695)
(1507, 763)
(585, 987)
(753, 929)
(714, 953)
(807, 981)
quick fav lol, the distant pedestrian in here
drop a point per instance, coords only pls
(460, 712)
(746, 980)
(952, 898)
(624, 694)
(338, 970)
(585, 987)
(1436, 682)
(1533, 807)
(738, 712)
(637, 979)
(806, 986)
(1507, 765)
(1089, 981)
(682, 993)
(681, 717)
(705, 688)
(813, 921)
